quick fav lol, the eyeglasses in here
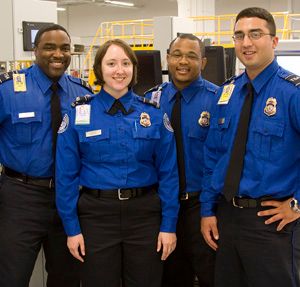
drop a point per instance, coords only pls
(179, 56)
(253, 35)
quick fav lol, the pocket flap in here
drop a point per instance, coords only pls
(26, 117)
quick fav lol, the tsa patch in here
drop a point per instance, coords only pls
(167, 123)
(64, 124)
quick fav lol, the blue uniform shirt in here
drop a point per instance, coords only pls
(115, 151)
(25, 121)
(272, 158)
(198, 98)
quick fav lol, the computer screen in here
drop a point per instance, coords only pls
(30, 30)
(215, 69)
(149, 70)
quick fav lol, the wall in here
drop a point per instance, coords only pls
(12, 13)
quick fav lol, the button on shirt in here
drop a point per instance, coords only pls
(198, 97)
(272, 158)
(116, 151)
(25, 121)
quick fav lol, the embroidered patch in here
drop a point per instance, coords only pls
(167, 123)
(64, 124)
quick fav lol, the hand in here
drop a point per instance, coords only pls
(76, 243)
(167, 241)
(210, 231)
(281, 212)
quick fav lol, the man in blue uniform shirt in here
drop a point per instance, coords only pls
(251, 186)
(28, 217)
(186, 59)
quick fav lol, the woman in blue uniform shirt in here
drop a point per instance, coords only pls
(122, 152)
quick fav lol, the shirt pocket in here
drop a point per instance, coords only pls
(24, 124)
(145, 140)
(95, 148)
(268, 138)
(196, 138)
(220, 134)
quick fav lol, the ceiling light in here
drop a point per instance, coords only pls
(60, 9)
(128, 4)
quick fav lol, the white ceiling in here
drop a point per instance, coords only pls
(138, 3)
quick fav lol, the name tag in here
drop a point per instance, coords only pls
(226, 94)
(83, 113)
(19, 82)
(26, 115)
(93, 133)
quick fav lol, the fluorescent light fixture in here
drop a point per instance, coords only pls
(60, 9)
(128, 4)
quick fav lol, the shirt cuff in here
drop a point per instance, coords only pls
(168, 224)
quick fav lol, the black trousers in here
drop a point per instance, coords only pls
(192, 255)
(29, 220)
(120, 241)
(252, 254)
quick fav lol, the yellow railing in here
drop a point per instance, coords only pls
(139, 33)
(224, 25)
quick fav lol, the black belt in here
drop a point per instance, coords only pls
(38, 181)
(120, 193)
(246, 202)
(189, 195)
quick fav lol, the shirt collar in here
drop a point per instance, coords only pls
(188, 92)
(108, 100)
(44, 82)
(265, 76)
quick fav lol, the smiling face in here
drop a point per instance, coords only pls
(117, 71)
(185, 62)
(53, 53)
(257, 54)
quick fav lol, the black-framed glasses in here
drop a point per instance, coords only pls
(252, 35)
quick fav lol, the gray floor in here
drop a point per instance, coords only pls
(38, 278)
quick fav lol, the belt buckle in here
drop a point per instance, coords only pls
(234, 203)
(120, 195)
(51, 183)
(184, 196)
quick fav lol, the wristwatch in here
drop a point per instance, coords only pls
(294, 205)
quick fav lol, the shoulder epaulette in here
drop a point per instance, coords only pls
(148, 102)
(294, 79)
(211, 87)
(6, 76)
(156, 88)
(81, 82)
(229, 81)
(81, 100)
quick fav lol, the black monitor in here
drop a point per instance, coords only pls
(215, 70)
(30, 30)
(149, 70)
(230, 59)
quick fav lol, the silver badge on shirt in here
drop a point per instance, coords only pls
(270, 108)
(145, 120)
(204, 119)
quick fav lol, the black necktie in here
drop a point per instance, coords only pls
(236, 163)
(176, 124)
(118, 106)
(55, 115)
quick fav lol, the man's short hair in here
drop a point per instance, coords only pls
(261, 13)
(47, 28)
(189, 37)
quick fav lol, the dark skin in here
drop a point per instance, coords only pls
(53, 53)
